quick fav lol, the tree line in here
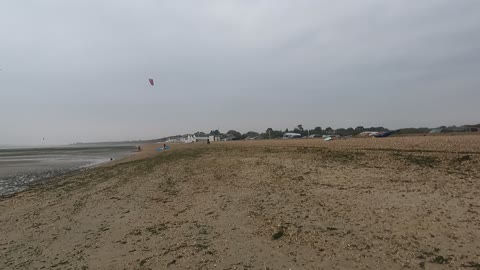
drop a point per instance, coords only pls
(271, 133)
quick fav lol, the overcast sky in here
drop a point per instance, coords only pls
(78, 70)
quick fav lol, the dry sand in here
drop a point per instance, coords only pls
(393, 203)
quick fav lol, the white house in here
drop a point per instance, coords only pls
(202, 139)
(292, 135)
(213, 138)
(191, 139)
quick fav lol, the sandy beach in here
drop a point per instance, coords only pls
(392, 203)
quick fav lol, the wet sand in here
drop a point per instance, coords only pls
(22, 167)
(391, 203)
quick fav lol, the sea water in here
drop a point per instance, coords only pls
(22, 167)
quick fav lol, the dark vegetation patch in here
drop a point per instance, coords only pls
(462, 159)
(146, 166)
(344, 156)
(311, 150)
(461, 164)
(473, 265)
(331, 155)
(124, 171)
(440, 260)
(144, 261)
(271, 150)
(422, 161)
(279, 233)
(396, 150)
(202, 229)
(136, 232)
(156, 229)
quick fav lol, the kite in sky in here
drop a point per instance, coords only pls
(151, 82)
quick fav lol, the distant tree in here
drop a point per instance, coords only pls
(412, 130)
(299, 129)
(350, 131)
(376, 129)
(341, 131)
(268, 133)
(235, 133)
(215, 132)
(317, 130)
(359, 129)
(250, 134)
(199, 134)
(329, 130)
(273, 134)
(286, 130)
(277, 134)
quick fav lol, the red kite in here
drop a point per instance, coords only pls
(151, 82)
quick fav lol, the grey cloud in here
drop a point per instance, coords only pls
(77, 71)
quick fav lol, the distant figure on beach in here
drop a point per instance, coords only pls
(164, 146)
(208, 141)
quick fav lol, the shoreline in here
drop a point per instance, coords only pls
(57, 179)
(21, 180)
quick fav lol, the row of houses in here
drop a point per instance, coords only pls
(192, 138)
(454, 129)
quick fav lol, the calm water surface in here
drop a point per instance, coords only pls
(22, 167)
